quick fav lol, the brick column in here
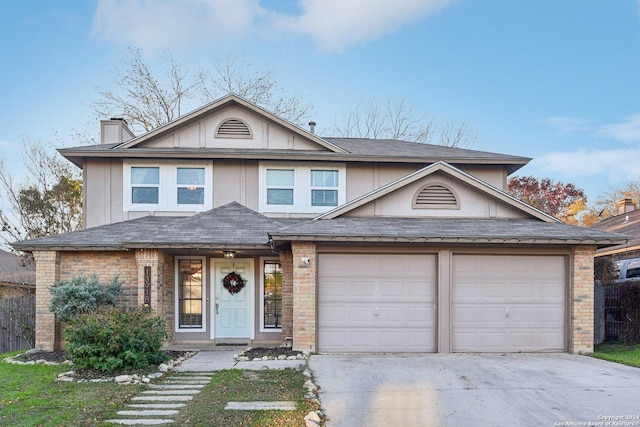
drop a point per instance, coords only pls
(47, 273)
(286, 263)
(581, 300)
(153, 258)
(304, 296)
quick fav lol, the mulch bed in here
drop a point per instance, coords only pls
(60, 356)
(270, 351)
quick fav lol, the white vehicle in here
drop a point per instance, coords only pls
(627, 269)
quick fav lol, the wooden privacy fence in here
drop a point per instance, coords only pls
(17, 323)
(617, 312)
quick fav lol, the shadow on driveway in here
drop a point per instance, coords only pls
(475, 390)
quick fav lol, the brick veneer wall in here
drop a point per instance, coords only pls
(581, 323)
(47, 273)
(106, 266)
(304, 296)
(286, 263)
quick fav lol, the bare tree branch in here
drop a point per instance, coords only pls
(400, 120)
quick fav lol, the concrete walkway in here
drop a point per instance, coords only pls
(159, 404)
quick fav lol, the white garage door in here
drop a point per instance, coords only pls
(376, 303)
(508, 303)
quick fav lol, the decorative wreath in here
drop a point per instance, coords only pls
(233, 282)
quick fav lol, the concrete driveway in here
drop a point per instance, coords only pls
(476, 390)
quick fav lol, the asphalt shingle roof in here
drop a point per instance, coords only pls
(626, 223)
(14, 269)
(228, 225)
(445, 230)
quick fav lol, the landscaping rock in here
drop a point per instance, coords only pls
(121, 379)
(155, 375)
(312, 419)
(163, 367)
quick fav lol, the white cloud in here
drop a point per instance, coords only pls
(338, 24)
(159, 24)
(615, 165)
(567, 124)
(628, 130)
(333, 24)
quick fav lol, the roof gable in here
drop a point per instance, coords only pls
(411, 187)
(233, 121)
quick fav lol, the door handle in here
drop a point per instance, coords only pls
(217, 307)
(507, 314)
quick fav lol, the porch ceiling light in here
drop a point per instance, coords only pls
(229, 254)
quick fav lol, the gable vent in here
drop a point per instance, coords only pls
(233, 128)
(435, 196)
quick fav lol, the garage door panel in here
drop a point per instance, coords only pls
(508, 303)
(387, 305)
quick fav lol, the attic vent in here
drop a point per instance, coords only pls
(435, 196)
(233, 128)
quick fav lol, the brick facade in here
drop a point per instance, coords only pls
(304, 296)
(581, 300)
(47, 273)
(286, 263)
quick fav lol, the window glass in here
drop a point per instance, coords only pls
(191, 196)
(146, 176)
(147, 195)
(324, 197)
(322, 178)
(279, 196)
(190, 176)
(190, 293)
(272, 297)
(280, 177)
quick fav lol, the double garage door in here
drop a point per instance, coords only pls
(389, 303)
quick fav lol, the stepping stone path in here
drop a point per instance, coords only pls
(161, 402)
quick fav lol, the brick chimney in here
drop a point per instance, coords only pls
(624, 206)
(115, 131)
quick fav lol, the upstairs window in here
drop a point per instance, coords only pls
(145, 184)
(308, 188)
(280, 184)
(324, 187)
(191, 186)
(167, 186)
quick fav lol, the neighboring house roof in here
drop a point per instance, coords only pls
(429, 170)
(625, 223)
(446, 230)
(14, 269)
(332, 148)
(231, 225)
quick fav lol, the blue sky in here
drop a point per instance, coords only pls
(555, 80)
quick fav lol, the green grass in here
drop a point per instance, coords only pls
(29, 396)
(207, 408)
(625, 354)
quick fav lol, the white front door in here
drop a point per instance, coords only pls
(232, 312)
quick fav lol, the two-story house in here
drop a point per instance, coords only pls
(237, 226)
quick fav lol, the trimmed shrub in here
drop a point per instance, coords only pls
(115, 339)
(82, 295)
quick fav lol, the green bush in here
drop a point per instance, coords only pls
(115, 339)
(81, 295)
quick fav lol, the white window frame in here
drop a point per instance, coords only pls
(167, 187)
(176, 292)
(262, 327)
(302, 187)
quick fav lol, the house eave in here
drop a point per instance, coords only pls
(446, 240)
(77, 156)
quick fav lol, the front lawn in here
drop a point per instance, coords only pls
(30, 397)
(625, 354)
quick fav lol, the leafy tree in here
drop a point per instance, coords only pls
(563, 201)
(148, 98)
(606, 204)
(400, 120)
(47, 201)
